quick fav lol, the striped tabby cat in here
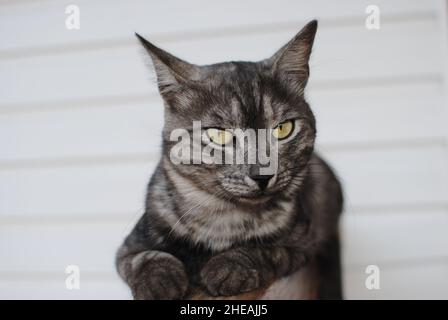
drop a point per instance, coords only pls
(226, 231)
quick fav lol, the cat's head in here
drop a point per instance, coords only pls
(268, 94)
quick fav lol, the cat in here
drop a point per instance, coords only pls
(218, 230)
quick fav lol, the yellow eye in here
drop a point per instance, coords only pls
(283, 130)
(219, 136)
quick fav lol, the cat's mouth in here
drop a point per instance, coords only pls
(254, 197)
(249, 194)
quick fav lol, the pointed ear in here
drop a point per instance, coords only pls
(290, 63)
(172, 73)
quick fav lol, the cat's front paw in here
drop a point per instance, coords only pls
(160, 277)
(230, 273)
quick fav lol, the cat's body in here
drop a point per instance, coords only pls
(223, 230)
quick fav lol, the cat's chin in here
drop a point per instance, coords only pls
(254, 199)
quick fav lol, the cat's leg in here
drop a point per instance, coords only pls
(152, 274)
(245, 269)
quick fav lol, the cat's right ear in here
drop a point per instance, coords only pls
(173, 74)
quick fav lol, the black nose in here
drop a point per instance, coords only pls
(261, 180)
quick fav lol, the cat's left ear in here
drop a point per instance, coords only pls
(290, 63)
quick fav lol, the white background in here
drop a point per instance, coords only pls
(80, 124)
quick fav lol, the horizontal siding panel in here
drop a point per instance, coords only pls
(124, 18)
(391, 177)
(54, 289)
(92, 246)
(362, 116)
(82, 132)
(422, 281)
(121, 71)
(74, 190)
(50, 248)
(382, 237)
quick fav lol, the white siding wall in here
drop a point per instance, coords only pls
(80, 130)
